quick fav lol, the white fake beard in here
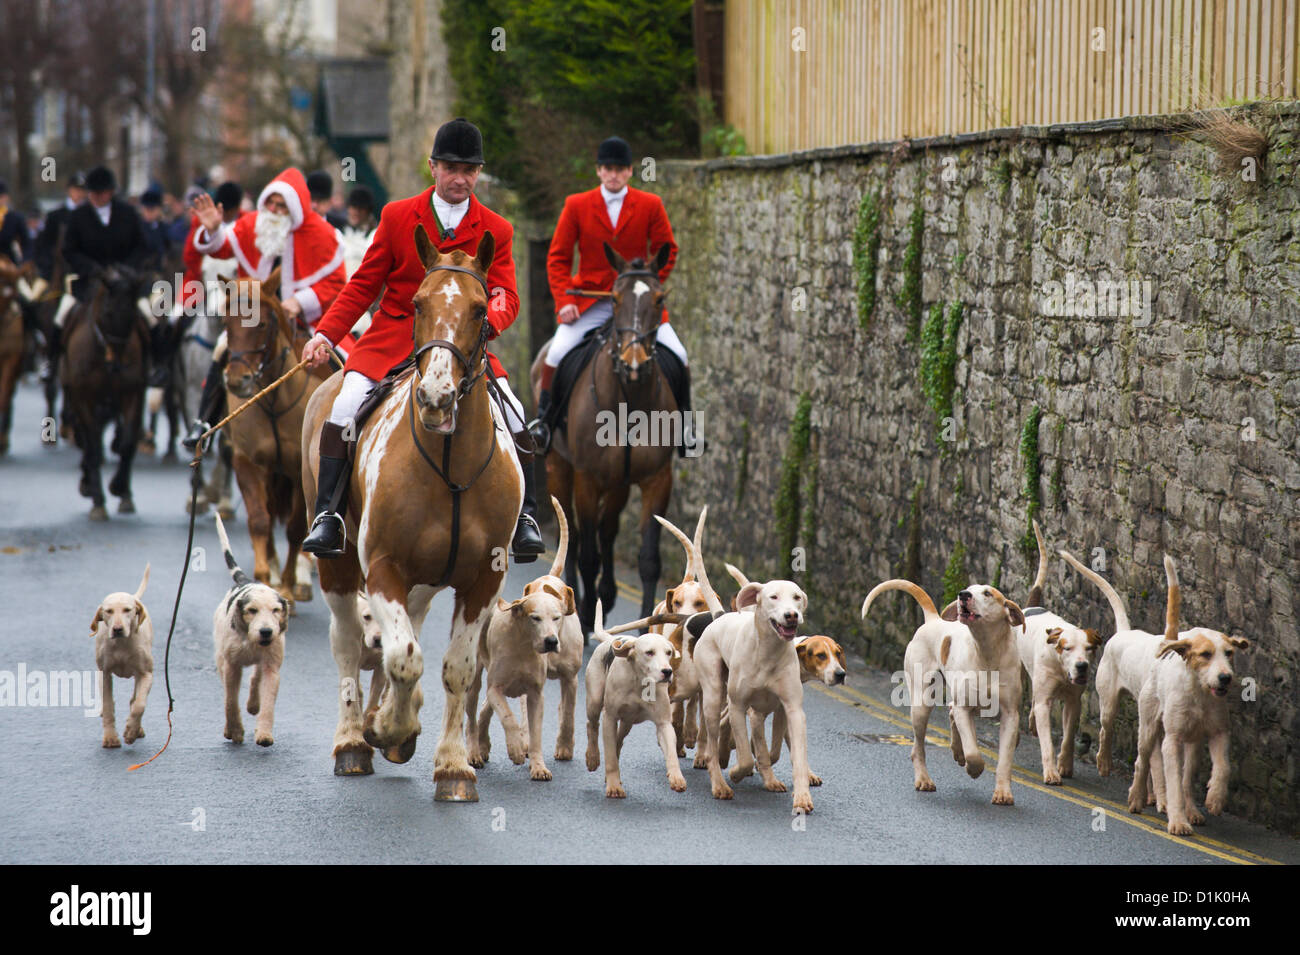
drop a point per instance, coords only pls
(269, 231)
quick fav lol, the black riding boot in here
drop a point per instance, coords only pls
(527, 543)
(328, 537)
(540, 427)
(693, 444)
(159, 353)
(210, 406)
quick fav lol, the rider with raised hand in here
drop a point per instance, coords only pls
(454, 220)
(635, 224)
(287, 231)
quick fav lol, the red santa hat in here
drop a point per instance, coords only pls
(290, 185)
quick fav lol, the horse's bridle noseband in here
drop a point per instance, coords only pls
(614, 334)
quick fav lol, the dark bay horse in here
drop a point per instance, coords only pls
(436, 489)
(618, 411)
(263, 344)
(11, 341)
(103, 371)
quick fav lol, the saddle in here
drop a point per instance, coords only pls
(575, 362)
(375, 396)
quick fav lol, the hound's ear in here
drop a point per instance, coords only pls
(1179, 647)
(1053, 635)
(502, 606)
(1241, 643)
(616, 261)
(668, 600)
(661, 257)
(284, 609)
(1015, 616)
(428, 254)
(237, 616)
(801, 650)
(677, 655)
(623, 647)
(547, 588)
(570, 605)
(748, 596)
(950, 612)
(487, 250)
(141, 614)
(1094, 638)
(97, 620)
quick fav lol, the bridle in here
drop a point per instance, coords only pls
(468, 380)
(272, 328)
(616, 334)
(264, 350)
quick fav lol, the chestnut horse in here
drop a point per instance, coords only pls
(103, 370)
(436, 489)
(11, 341)
(263, 344)
(591, 470)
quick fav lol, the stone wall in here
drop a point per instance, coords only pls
(1172, 431)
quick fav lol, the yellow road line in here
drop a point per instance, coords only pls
(1067, 793)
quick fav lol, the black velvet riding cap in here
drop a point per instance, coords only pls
(458, 141)
(614, 152)
(101, 179)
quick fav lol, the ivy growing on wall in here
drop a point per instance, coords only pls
(787, 505)
(939, 365)
(909, 299)
(866, 249)
(1029, 454)
(742, 472)
(954, 576)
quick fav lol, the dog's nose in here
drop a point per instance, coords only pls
(119, 631)
(1225, 679)
(1081, 668)
(839, 676)
(266, 633)
(667, 673)
(964, 595)
(791, 618)
(551, 644)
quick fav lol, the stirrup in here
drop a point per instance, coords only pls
(529, 554)
(325, 547)
(540, 432)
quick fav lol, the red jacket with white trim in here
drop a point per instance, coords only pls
(311, 266)
(642, 228)
(392, 261)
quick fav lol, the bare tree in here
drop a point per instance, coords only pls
(32, 43)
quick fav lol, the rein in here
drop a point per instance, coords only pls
(273, 416)
(467, 383)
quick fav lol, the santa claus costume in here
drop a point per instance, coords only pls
(305, 247)
(392, 263)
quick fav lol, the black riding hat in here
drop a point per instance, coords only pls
(101, 179)
(78, 180)
(614, 152)
(320, 185)
(229, 195)
(458, 141)
(362, 198)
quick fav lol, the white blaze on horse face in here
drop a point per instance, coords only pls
(450, 291)
(639, 289)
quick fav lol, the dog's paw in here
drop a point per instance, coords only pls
(112, 740)
(739, 772)
(1002, 796)
(235, 734)
(263, 739)
(681, 751)
(1066, 770)
(1136, 803)
(722, 791)
(1051, 777)
(475, 759)
(1195, 816)
(802, 803)
(1215, 805)
(677, 783)
(540, 773)
(615, 791)
(564, 753)
(688, 740)
(1179, 827)
(700, 762)
(974, 765)
(254, 704)
(131, 733)
(924, 784)
(1152, 801)
(775, 785)
(814, 779)
(593, 760)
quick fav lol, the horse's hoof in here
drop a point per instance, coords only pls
(202, 507)
(302, 592)
(126, 506)
(118, 487)
(226, 510)
(455, 790)
(351, 762)
(98, 513)
(85, 489)
(402, 752)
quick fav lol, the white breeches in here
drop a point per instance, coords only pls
(66, 304)
(567, 336)
(356, 386)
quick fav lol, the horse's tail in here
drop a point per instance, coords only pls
(919, 595)
(239, 577)
(562, 550)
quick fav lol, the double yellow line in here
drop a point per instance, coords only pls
(1031, 779)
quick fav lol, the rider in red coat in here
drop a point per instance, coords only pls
(454, 219)
(635, 225)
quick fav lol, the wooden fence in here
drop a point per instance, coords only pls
(806, 73)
